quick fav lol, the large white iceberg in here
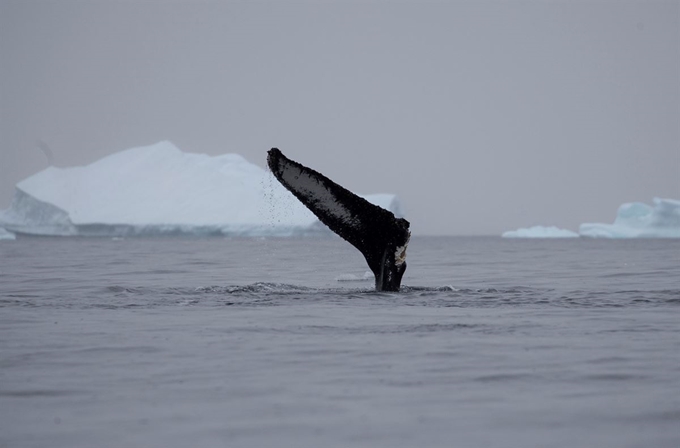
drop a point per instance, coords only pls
(159, 189)
(540, 232)
(638, 220)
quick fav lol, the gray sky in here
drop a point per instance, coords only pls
(481, 116)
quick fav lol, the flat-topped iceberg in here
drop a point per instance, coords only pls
(540, 232)
(159, 189)
(639, 220)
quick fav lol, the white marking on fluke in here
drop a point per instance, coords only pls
(400, 253)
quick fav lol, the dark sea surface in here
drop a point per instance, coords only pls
(178, 342)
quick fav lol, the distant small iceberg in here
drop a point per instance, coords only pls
(633, 220)
(639, 220)
(540, 232)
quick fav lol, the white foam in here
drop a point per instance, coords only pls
(368, 275)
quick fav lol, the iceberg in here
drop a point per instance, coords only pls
(540, 232)
(639, 220)
(161, 190)
(5, 235)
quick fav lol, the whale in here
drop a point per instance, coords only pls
(381, 237)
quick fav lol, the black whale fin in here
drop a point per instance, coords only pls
(377, 233)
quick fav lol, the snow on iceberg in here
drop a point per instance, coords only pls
(159, 189)
(638, 220)
(540, 232)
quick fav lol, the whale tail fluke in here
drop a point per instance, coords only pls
(375, 232)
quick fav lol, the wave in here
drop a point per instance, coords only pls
(281, 294)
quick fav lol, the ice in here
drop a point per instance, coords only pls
(540, 232)
(30, 215)
(633, 220)
(5, 235)
(638, 220)
(159, 189)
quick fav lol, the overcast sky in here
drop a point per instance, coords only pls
(482, 116)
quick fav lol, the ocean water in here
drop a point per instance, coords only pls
(282, 343)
